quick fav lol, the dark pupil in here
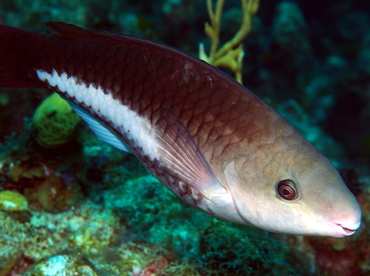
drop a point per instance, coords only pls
(286, 191)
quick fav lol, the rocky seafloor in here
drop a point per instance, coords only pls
(85, 208)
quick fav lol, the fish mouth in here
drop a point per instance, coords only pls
(343, 230)
(348, 231)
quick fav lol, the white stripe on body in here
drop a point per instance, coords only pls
(136, 128)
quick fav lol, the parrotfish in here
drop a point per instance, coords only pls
(211, 141)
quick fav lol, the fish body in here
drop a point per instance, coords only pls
(211, 141)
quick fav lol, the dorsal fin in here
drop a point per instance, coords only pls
(63, 30)
(68, 31)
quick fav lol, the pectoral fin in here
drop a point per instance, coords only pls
(182, 157)
(99, 128)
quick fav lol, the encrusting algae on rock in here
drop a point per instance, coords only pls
(67, 265)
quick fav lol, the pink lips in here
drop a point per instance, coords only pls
(343, 230)
(348, 231)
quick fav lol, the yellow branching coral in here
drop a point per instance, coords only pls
(231, 54)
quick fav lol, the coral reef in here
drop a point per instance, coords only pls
(87, 208)
(34, 177)
(10, 244)
(68, 265)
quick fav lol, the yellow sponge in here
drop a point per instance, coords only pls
(54, 121)
(12, 201)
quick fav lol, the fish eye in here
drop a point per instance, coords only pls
(287, 189)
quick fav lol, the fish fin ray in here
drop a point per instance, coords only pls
(63, 30)
(185, 161)
(100, 128)
(68, 31)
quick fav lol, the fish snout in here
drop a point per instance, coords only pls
(345, 227)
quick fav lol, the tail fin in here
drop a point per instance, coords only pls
(8, 57)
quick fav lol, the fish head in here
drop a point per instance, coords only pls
(289, 187)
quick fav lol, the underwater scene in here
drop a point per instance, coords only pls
(72, 204)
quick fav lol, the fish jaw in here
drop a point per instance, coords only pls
(347, 223)
(301, 222)
(336, 207)
(342, 230)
